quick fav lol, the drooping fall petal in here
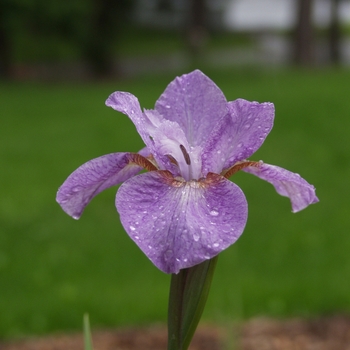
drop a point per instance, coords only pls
(288, 184)
(180, 224)
(92, 178)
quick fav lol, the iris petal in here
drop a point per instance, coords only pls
(238, 135)
(180, 224)
(195, 103)
(128, 104)
(288, 184)
(92, 178)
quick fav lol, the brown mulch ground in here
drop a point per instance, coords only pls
(331, 333)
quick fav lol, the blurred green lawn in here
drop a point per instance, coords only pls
(53, 268)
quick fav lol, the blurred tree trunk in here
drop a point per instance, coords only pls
(197, 28)
(334, 33)
(105, 27)
(5, 44)
(5, 54)
(303, 37)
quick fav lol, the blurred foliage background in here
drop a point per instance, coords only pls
(60, 61)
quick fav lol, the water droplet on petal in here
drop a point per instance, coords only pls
(196, 237)
(214, 213)
(168, 254)
(132, 228)
(215, 245)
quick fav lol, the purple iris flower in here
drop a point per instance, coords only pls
(185, 210)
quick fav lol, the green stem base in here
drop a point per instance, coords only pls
(189, 290)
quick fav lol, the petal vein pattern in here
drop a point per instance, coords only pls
(180, 224)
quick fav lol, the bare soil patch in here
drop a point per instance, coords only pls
(332, 333)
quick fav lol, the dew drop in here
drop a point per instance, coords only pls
(215, 245)
(132, 228)
(214, 213)
(168, 254)
(196, 237)
(75, 216)
(167, 106)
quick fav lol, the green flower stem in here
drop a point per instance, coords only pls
(189, 291)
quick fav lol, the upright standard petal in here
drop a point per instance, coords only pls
(180, 224)
(288, 184)
(195, 103)
(92, 178)
(238, 135)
